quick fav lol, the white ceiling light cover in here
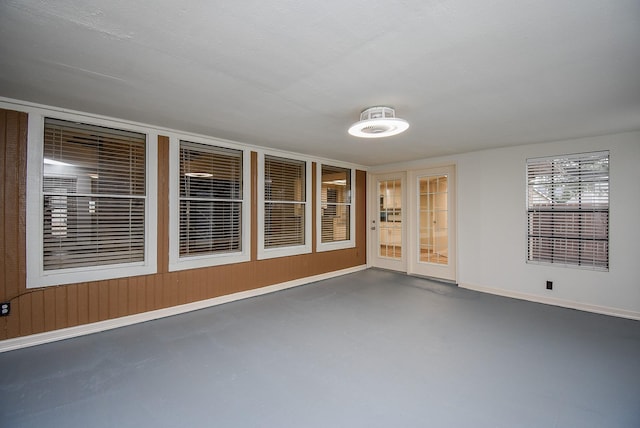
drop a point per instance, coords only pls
(198, 174)
(378, 122)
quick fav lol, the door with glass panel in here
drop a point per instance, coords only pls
(388, 222)
(433, 224)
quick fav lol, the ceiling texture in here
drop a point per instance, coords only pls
(294, 75)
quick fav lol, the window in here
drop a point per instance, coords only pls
(285, 227)
(335, 212)
(89, 217)
(568, 210)
(210, 199)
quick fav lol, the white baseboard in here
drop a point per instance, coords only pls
(81, 330)
(605, 310)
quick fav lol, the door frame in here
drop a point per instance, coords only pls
(410, 206)
(373, 216)
(449, 272)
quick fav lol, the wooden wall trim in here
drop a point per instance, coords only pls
(13, 163)
(314, 201)
(254, 206)
(163, 204)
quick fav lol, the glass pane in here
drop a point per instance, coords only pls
(283, 224)
(433, 219)
(105, 161)
(335, 198)
(210, 172)
(284, 179)
(336, 185)
(208, 227)
(335, 223)
(92, 231)
(390, 225)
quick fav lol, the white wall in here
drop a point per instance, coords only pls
(492, 226)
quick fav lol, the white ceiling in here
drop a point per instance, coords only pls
(467, 74)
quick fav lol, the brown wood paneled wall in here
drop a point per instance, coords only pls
(13, 164)
(51, 308)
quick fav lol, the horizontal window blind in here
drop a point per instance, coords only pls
(210, 199)
(113, 159)
(94, 193)
(285, 200)
(335, 201)
(568, 210)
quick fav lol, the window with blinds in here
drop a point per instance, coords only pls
(94, 196)
(285, 202)
(568, 210)
(335, 204)
(210, 199)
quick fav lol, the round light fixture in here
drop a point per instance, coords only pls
(378, 122)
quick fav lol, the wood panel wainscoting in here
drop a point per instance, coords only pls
(51, 308)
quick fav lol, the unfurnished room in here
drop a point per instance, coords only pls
(319, 214)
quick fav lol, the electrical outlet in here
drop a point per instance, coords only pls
(549, 285)
(5, 308)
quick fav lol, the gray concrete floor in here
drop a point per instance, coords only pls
(370, 349)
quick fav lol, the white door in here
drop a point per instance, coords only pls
(432, 223)
(387, 228)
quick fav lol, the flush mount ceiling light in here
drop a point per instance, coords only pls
(198, 174)
(342, 182)
(48, 161)
(378, 122)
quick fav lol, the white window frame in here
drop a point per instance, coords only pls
(268, 253)
(176, 262)
(337, 245)
(558, 261)
(36, 275)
